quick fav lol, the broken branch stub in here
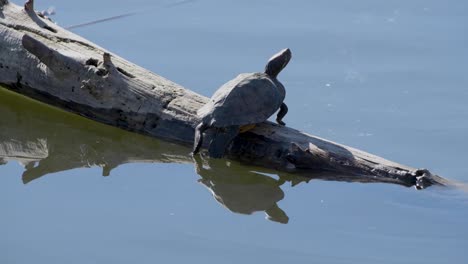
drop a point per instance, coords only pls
(29, 6)
(60, 64)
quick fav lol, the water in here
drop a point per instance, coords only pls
(388, 77)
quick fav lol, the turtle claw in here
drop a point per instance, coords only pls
(194, 152)
(281, 123)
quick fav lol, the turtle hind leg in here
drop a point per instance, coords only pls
(198, 140)
(221, 141)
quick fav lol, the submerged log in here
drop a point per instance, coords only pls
(48, 63)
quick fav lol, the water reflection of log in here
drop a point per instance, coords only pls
(52, 141)
(23, 152)
(47, 141)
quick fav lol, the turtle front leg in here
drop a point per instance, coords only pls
(198, 140)
(282, 112)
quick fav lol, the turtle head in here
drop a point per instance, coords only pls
(278, 62)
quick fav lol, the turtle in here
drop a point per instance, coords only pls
(242, 102)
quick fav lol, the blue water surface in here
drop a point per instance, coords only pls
(387, 77)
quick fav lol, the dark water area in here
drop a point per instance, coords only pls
(387, 77)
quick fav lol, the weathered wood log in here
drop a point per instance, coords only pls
(47, 141)
(50, 64)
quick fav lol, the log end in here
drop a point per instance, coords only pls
(424, 179)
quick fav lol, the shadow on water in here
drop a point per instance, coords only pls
(46, 141)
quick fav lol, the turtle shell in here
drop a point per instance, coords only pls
(249, 98)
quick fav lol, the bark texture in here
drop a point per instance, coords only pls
(48, 63)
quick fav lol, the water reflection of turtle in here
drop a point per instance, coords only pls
(248, 99)
(240, 190)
